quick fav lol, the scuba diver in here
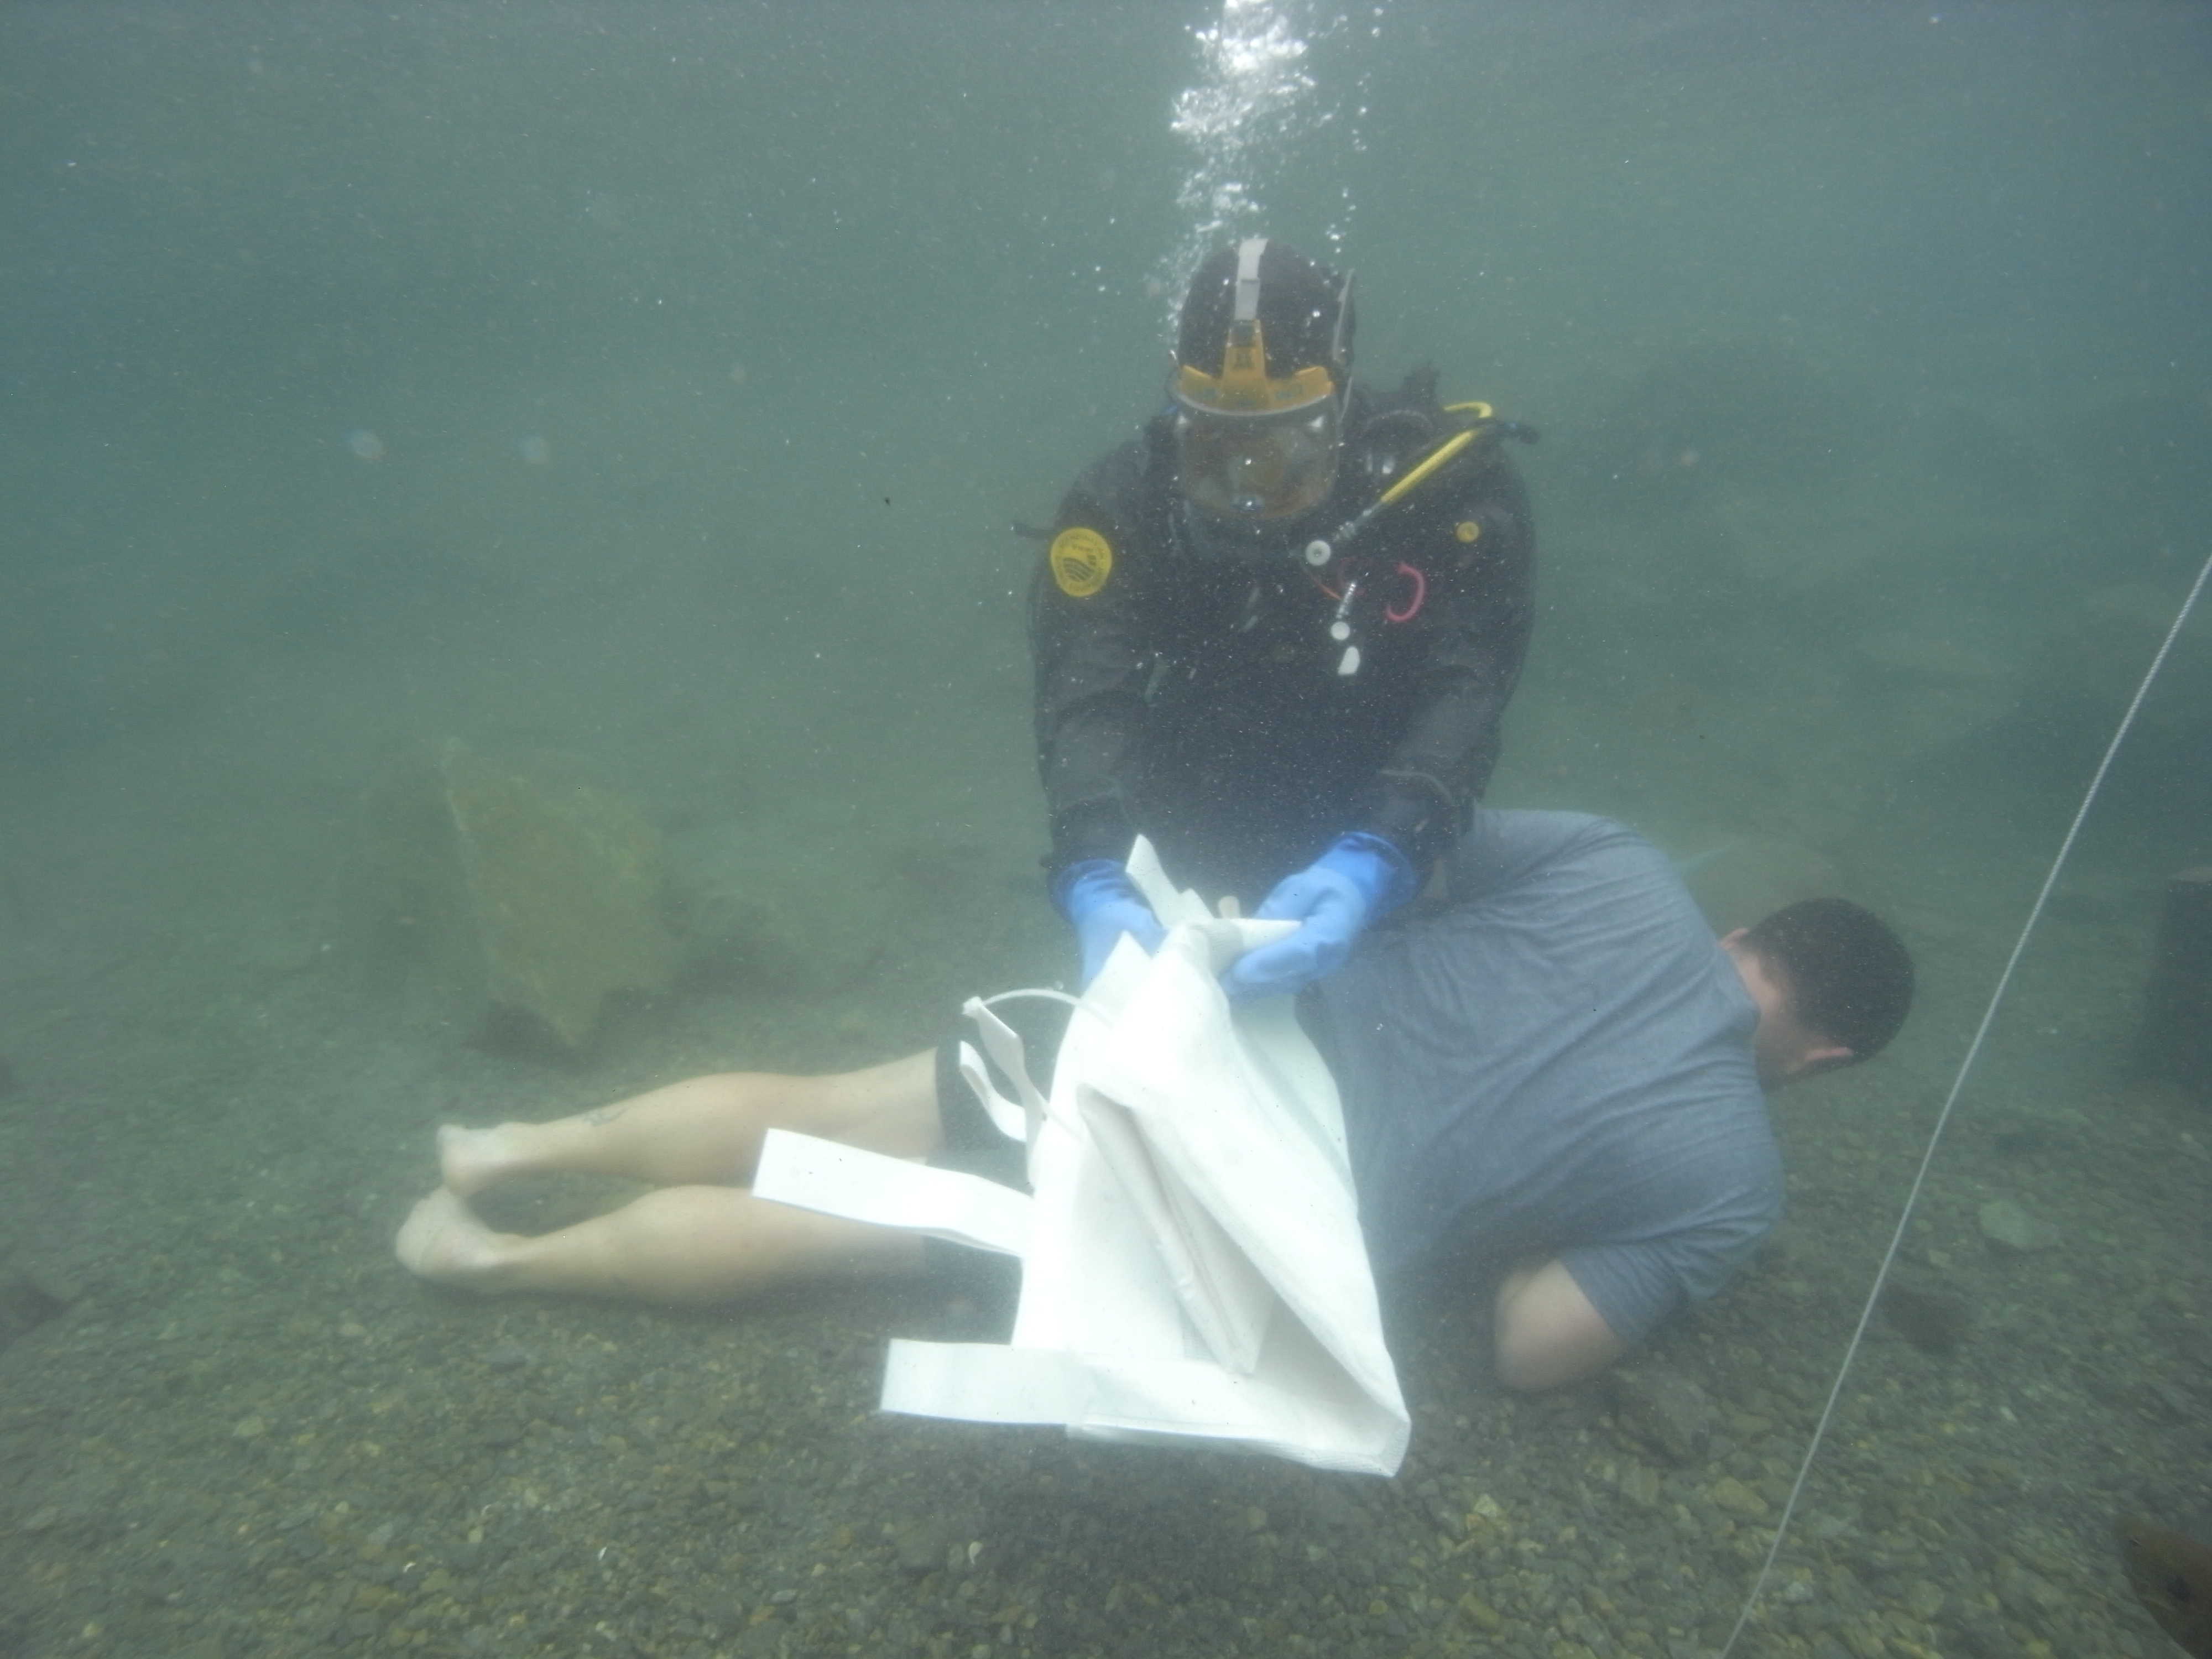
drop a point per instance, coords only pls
(1275, 632)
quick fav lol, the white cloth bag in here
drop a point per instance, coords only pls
(1192, 1263)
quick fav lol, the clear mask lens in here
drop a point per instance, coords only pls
(1258, 467)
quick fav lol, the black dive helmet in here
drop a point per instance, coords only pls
(1263, 369)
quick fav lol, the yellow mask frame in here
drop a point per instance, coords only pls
(1243, 386)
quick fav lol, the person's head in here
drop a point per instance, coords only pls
(1263, 362)
(1832, 983)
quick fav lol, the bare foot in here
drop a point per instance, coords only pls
(471, 1159)
(442, 1241)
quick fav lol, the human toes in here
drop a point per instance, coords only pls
(469, 1160)
(442, 1241)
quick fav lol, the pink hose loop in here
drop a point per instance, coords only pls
(1420, 595)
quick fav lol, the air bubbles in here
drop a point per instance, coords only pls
(1253, 103)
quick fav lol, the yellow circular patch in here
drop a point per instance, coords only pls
(1466, 530)
(1081, 561)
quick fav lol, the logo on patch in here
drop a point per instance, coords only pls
(1081, 561)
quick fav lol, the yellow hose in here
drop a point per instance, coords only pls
(1443, 453)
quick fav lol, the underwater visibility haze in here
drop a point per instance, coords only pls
(646, 395)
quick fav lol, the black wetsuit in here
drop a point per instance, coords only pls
(1196, 696)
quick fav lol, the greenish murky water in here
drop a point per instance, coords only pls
(659, 384)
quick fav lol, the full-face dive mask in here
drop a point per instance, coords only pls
(1254, 449)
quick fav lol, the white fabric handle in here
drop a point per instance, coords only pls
(839, 1179)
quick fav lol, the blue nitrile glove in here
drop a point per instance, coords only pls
(1100, 902)
(1360, 878)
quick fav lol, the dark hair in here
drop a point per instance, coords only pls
(1848, 977)
(1299, 302)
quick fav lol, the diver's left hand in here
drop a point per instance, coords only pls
(1332, 900)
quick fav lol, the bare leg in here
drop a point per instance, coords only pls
(681, 1244)
(690, 1242)
(707, 1129)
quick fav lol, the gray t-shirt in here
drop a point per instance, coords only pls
(1559, 1063)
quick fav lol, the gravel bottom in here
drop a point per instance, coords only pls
(244, 1430)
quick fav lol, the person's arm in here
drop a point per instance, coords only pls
(1475, 625)
(1090, 654)
(1547, 1331)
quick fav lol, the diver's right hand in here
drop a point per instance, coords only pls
(1102, 903)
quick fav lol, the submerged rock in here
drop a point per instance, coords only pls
(30, 1294)
(524, 896)
(2170, 1574)
(772, 910)
(1728, 414)
(2004, 1223)
(2174, 1043)
(1667, 1411)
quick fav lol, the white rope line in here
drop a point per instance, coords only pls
(1943, 1117)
